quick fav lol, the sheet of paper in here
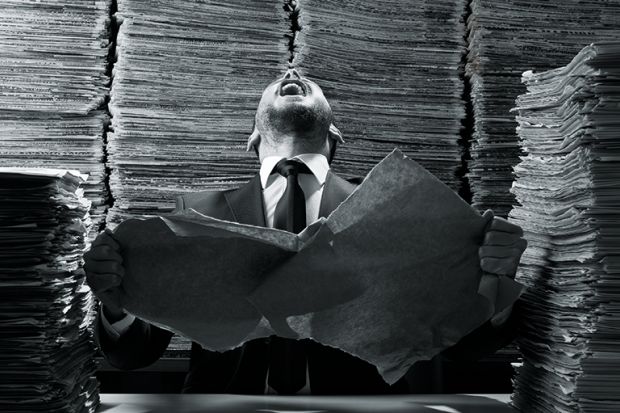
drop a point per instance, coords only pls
(413, 243)
(197, 281)
(392, 276)
(192, 274)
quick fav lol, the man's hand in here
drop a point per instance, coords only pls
(502, 248)
(103, 265)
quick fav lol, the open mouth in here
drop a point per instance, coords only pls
(292, 87)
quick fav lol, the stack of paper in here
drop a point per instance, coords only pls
(569, 189)
(392, 76)
(186, 86)
(506, 38)
(53, 84)
(46, 340)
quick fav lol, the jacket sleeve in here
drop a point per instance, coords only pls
(141, 345)
(486, 339)
(138, 347)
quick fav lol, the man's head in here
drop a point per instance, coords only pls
(293, 117)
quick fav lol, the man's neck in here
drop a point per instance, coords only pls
(291, 148)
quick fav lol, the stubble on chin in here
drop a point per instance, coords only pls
(298, 120)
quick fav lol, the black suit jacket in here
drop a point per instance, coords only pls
(243, 370)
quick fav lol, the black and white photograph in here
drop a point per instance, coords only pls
(303, 206)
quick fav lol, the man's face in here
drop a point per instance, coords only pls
(293, 105)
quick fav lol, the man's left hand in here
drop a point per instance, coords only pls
(502, 247)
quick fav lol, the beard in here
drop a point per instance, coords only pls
(299, 120)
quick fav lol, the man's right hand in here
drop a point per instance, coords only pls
(104, 269)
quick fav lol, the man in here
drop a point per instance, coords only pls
(295, 140)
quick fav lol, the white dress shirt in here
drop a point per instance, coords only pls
(273, 186)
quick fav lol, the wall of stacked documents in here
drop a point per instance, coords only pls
(505, 39)
(53, 86)
(186, 86)
(392, 75)
(568, 186)
(46, 341)
(188, 76)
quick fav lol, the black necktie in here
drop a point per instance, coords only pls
(287, 367)
(290, 213)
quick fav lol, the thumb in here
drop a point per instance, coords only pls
(488, 216)
(110, 233)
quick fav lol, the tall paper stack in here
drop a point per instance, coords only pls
(53, 84)
(505, 39)
(186, 86)
(392, 76)
(46, 309)
(569, 190)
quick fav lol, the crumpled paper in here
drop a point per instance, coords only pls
(392, 276)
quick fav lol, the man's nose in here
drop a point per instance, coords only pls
(292, 74)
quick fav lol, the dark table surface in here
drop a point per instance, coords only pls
(225, 403)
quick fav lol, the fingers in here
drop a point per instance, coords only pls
(492, 251)
(502, 247)
(488, 214)
(500, 224)
(500, 266)
(103, 252)
(503, 238)
(507, 257)
(111, 299)
(106, 238)
(104, 267)
(104, 256)
(100, 283)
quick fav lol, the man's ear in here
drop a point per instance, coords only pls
(253, 141)
(335, 134)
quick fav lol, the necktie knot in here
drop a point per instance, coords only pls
(287, 167)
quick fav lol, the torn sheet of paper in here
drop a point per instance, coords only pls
(197, 283)
(413, 243)
(192, 274)
(392, 276)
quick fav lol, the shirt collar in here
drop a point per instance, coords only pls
(316, 162)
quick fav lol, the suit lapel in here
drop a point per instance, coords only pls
(246, 203)
(335, 191)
